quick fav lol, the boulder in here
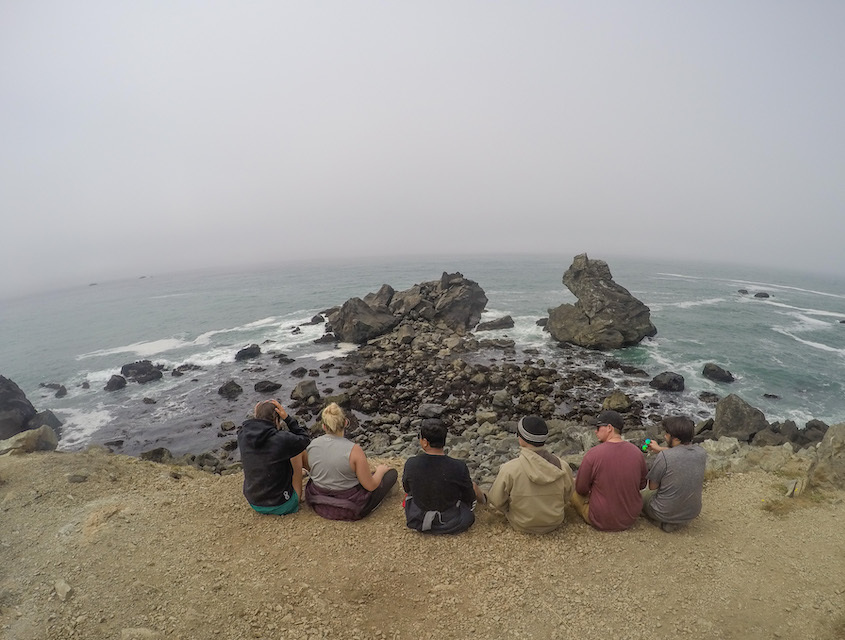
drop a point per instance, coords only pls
(428, 410)
(304, 390)
(828, 469)
(761, 294)
(667, 381)
(716, 373)
(230, 390)
(266, 386)
(15, 410)
(617, 401)
(736, 418)
(61, 392)
(812, 433)
(115, 383)
(46, 418)
(505, 322)
(142, 371)
(606, 315)
(252, 351)
(41, 439)
(357, 322)
(768, 438)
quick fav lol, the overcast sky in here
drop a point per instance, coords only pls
(148, 137)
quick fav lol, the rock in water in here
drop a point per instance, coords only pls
(15, 410)
(115, 382)
(230, 390)
(667, 381)
(606, 315)
(252, 351)
(505, 322)
(266, 386)
(142, 371)
(716, 373)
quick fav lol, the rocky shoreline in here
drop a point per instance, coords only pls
(419, 359)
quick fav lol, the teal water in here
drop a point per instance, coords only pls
(791, 345)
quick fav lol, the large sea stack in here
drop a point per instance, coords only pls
(606, 315)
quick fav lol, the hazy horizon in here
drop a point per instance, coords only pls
(166, 137)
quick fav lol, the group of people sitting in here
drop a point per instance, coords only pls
(612, 487)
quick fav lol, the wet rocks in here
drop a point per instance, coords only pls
(305, 390)
(142, 371)
(266, 386)
(606, 315)
(505, 322)
(115, 383)
(714, 372)
(230, 390)
(667, 381)
(247, 353)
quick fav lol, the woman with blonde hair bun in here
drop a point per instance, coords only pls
(342, 487)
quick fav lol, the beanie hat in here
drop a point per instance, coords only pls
(533, 430)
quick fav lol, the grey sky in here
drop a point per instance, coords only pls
(146, 137)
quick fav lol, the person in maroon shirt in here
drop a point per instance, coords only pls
(609, 480)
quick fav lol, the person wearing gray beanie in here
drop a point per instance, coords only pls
(532, 490)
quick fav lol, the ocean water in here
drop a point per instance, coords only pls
(791, 345)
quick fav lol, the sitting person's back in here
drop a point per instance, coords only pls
(676, 477)
(341, 485)
(534, 489)
(440, 496)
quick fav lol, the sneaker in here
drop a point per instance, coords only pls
(668, 527)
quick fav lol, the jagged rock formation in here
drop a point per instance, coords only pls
(453, 300)
(828, 469)
(606, 315)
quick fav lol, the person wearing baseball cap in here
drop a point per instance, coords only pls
(609, 480)
(532, 490)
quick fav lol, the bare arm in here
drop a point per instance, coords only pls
(358, 463)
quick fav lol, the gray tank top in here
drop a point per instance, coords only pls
(328, 457)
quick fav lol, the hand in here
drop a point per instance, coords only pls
(383, 468)
(654, 446)
(280, 411)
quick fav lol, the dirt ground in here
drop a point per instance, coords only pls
(96, 545)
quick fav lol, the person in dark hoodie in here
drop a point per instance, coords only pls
(272, 459)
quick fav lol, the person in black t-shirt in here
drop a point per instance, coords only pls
(440, 495)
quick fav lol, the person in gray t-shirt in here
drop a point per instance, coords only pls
(676, 476)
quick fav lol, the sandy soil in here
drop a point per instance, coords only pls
(151, 551)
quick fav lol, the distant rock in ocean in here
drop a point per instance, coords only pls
(606, 315)
(714, 372)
